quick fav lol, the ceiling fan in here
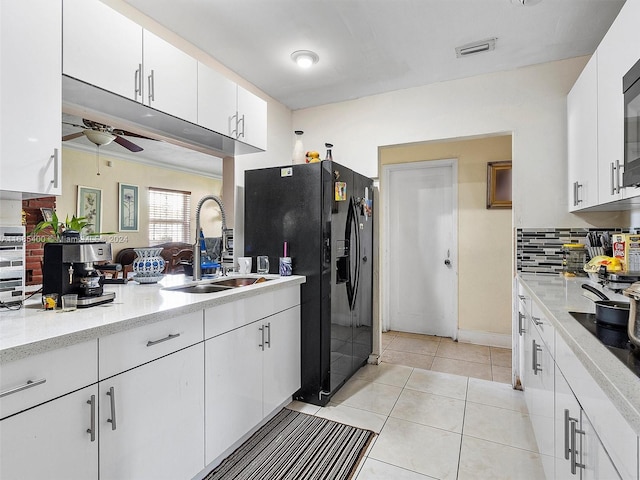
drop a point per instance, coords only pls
(101, 134)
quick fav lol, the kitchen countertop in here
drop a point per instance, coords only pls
(558, 296)
(32, 330)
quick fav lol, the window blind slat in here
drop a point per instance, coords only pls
(169, 215)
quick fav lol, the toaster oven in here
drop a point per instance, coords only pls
(12, 265)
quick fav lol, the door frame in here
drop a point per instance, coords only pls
(385, 237)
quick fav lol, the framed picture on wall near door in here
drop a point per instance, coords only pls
(90, 207)
(128, 208)
(499, 184)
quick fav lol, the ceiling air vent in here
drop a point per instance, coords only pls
(476, 47)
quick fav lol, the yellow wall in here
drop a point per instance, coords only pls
(484, 236)
(79, 168)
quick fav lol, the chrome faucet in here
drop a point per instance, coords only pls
(197, 254)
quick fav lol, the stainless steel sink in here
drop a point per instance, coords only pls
(240, 281)
(217, 285)
(202, 288)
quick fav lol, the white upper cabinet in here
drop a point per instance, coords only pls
(106, 49)
(30, 95)
(617, 53)
(217, 105)
(102, 47)
(582, 140)
(252, 119)
(170, 78)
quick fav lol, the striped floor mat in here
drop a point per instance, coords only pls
(296, 446)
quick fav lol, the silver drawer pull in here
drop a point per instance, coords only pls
(171, 336)
(92, 429)
(29, 384)
(112, 394)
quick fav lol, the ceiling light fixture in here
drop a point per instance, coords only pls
(305, 58)
(476, 47)
(98, 137)
(526, 3)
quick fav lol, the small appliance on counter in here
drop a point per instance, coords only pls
(12, 265)
(69, 268)
(633, 292)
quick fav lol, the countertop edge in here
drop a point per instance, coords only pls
(618, 383)
(24, 350)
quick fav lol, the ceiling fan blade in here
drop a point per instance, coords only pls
(71, 136)
(74, 125)
(130, 134)
(127, 144)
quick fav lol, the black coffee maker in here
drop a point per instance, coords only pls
(68, 267)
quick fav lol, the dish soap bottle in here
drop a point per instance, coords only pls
(298, 149)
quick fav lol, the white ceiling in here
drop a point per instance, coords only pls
(374, 46)
(366, 47)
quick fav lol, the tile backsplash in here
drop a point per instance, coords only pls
(539, 250)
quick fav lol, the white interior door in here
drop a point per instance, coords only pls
(421, 248)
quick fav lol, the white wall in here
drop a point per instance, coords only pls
(528, 102)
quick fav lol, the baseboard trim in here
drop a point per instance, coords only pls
(485, 338)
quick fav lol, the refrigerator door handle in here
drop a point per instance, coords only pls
(357, 254)
(347, 259)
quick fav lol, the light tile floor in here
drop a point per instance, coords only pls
(435, 425)
(444, 355)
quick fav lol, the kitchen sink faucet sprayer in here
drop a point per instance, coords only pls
(197, 255)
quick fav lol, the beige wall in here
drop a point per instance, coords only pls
(484, 236)
(79, 168)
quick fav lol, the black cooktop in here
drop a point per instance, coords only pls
(614, 338)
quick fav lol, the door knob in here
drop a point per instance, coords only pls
(447, 262)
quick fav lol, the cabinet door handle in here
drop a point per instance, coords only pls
(268, 327)
(576, 194)
(56, 161)
(241, 120)
(568, 419)
(521, 330)
(92, 429)
(29, 384)
(171, 336)
(574, 453)
(233, 132)
(618, 171)
(152, 87)
(613, 178)
(261, 345)
(112, 420)
(535, 365)
(137, 82)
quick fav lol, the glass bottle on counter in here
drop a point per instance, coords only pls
(299, 156)
(574, 257)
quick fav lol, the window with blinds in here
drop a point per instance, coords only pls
(169, 214)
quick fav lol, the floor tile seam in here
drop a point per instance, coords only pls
(409, 351)
(403, 468)
(458, 358)
(464, 414)
(414, 422)
(475, 402)
(503, 444)
(413, 389)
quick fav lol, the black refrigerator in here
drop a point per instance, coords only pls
(324, 211)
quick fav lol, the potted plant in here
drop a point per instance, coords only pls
(69, 230)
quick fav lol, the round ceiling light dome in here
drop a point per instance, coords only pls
(305, 58)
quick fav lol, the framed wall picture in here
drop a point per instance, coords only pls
(47, 214)
(90, 207)
(499, 184)
(128, 208)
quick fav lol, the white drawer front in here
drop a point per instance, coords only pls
(224, 318)
(38, 378)
(615, 433)
(124, 350)
(544, 326)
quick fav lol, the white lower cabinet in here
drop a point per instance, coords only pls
(537, 380)
(53, 440)
(249, 372)
(152, 419)
(578, 451)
